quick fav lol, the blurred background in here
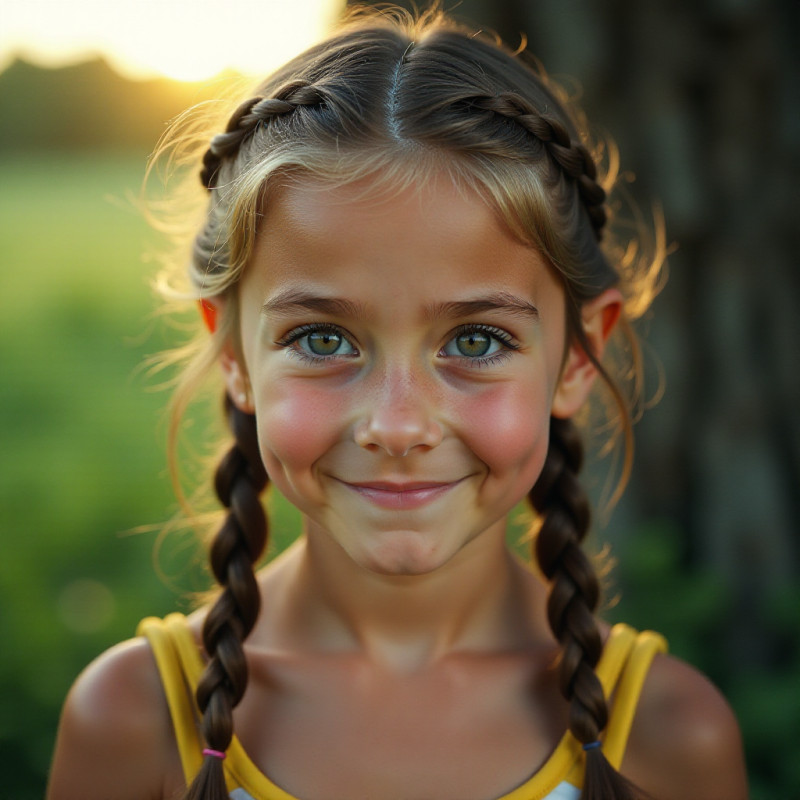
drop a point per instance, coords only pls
(701, 97)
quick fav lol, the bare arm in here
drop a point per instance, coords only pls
(115, 738)
(685, 742)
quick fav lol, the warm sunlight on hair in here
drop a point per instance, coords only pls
(180, 39)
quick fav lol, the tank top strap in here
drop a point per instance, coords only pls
(632, 663)
(179, 665)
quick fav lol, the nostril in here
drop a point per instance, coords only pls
(396, 434)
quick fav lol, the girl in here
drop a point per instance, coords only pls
(409, 281)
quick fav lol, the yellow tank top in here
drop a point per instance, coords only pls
(622, 670)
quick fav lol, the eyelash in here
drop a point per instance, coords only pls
(506, 340)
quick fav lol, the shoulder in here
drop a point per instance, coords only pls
(685, 741)
(115, 738)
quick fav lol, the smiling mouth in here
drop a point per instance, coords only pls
(401, 496)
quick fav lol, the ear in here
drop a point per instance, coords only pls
(599, 316)
(208, 312)
(237, 380)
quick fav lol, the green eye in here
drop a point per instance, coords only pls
(324, 343)
(318, 342)
(478, 342)
(473, 344)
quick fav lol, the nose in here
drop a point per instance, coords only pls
(398, 417)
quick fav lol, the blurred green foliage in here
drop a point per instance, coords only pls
(88, 105)
(84, 469)
(696, 610)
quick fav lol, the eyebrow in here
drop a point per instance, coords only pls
(290, 301)
(502, 302)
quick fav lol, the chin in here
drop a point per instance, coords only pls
(407, 554)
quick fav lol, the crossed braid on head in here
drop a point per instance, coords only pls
(573, 158)
(247, 117)
(238, 545)
(563, 506)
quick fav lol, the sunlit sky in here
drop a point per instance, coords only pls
(182, 39)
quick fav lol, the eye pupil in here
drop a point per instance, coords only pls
(324, 343)
(474, 343)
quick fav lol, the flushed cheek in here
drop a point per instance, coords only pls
(506, 426)
(296, 427)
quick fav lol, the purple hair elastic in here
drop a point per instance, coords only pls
(215, 753)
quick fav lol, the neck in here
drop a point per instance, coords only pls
(483, 599)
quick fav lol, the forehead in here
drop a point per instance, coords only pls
(362, 238)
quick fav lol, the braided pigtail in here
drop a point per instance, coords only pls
(563, 505)
(241, 540)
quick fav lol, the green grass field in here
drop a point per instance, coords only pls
(83, 442)
(82, 462)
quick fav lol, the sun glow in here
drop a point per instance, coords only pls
(180, 39)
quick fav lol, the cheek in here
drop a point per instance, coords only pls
(509, 427)
(296, 426)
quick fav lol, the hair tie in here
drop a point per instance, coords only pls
(215, 753)
(592, 745)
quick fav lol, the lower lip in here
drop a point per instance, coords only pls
(411, 499)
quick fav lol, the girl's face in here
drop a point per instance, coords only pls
(405, 355)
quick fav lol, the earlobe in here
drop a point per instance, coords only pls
(237, 381)
(599, 316)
